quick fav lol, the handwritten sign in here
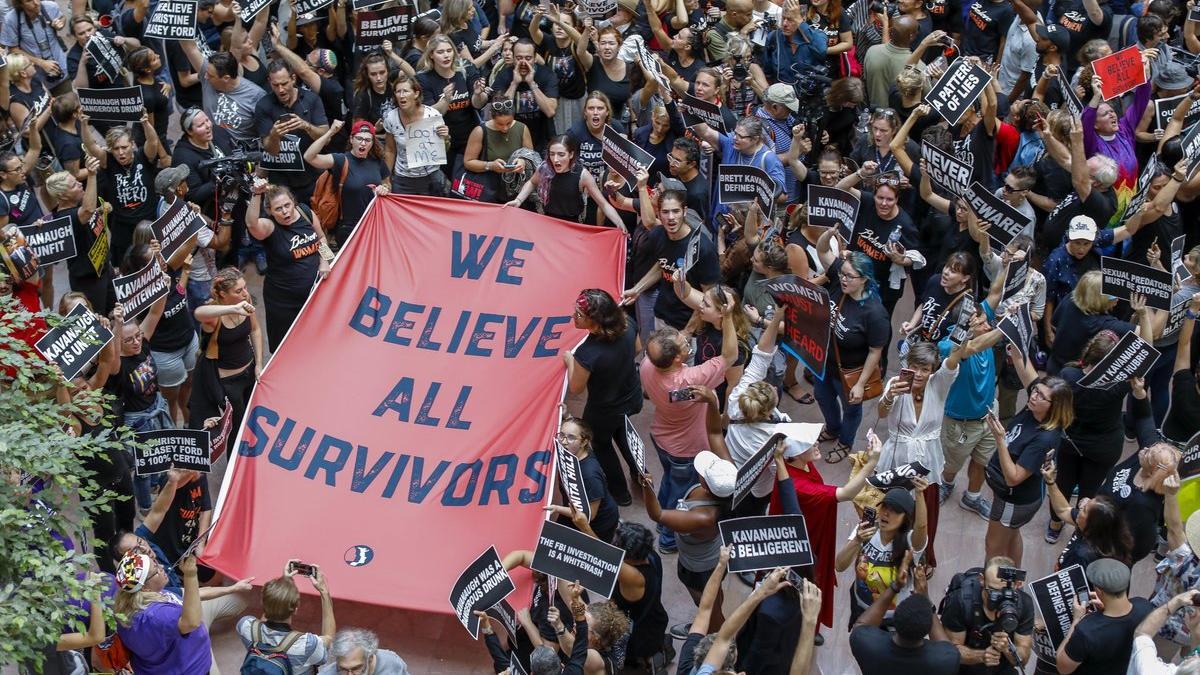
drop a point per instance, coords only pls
(424, 147)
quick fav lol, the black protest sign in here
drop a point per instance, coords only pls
(306, 8)
(1017, 326)
(172, 20)
(899, 476)
(375, 27)
(957, 89)
(737, 183)
(831, 207)
(766, 542)
(1189, 462)
(514, 663)
(570, 475)
(158, 451)
(1131, 357)
(105, 55)
(289, 158)
(481, 585)
(504, 614)
(651, 65)
(749, 472)
(1015, 275)
(962, 323)
(690, 255)
(1006, 221)
(637, 448)
(1177, 267)
(566, 553)
(175, 227)
(1054, 596)
(696, 111)
(75, 341)
(359, 5)
(1123, 278)
(123, 104)
(137, 291)
(1194, 13)
(52, 241)
(1070, 100)
(250, 9)
(3, 61)
(220, 438)
(1142, 190)
(806, 323)
(624, 156)
(1164, 109)
(945, 170)
(1191, 149)
(598, 8)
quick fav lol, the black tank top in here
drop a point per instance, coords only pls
(565, 199)
(233, 346)
(292, 254)
(648, 615)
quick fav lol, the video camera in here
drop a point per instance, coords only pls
(1006, 602)
(233, 175)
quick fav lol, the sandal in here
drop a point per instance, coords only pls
(805, 398)
(839, 452)
(826, 436)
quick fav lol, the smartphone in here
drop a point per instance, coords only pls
(677, 395)
(511, 165)
(869, 515)
(303, 569)
(907, 375)
(768, 312)
(1084, 598)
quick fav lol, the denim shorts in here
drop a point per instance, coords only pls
(173, 367)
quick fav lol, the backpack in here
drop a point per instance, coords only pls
(264, 660)
(327, 197)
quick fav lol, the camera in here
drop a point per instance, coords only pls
(770, 23)
(303, 569)
(677, 395)
(233, 175)
(740, 70)
(881, 6)
(1006, 602)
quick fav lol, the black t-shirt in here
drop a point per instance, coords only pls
(292, 255)
(1073, 329)
(130, 189)
(21, 205)
(357, 191)
(1028, 444)
(159, 106)
(877, 654)
(939, 310)
(947, 15)
(1099, 427)
(979, 150)
(708, 346)
(307, 107)
(591, 150)
(185, 97)
(565, 66)
(1141, 509)
(833, 31)
(596, 486)
(705, 272)
(175, 329)
(136, 383)
(1163, 230)
(1077, 552)
(92, 243)
(987, 23)
(1073, 17)
(1100, 205)
(181, 524)
(617, 91)
(960, 616)
(1183, 419)
(67, 145)
(461, 117)
(857, 327)
(613, 386)
(868, 219)
(527, 111)
(373, 107)
(1104, 644)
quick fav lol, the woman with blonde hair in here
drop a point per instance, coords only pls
(1086, 312)
(607, 630)
(469, 44)
(90, 274)
(162, 630)
(708, 311)
(24, 90)
(128, 177)
(453, 88)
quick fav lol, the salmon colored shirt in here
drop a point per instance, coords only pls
(678, 427)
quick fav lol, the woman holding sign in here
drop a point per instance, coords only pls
(90, 272)
(409, 110)
(576, 436)
(126, 177)
(24, 91)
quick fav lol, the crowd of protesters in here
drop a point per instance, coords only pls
(522, 95)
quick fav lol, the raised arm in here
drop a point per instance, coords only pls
(733, 625)
(1081, 178)
(313, 154)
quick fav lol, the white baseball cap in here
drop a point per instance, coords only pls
(1082, 227)
(719, 474)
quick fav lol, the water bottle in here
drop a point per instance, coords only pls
(864, 122)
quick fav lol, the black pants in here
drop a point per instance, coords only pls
(114, 473)
(609, 429)
(1084, 466)
(99, 291)
(238, 388)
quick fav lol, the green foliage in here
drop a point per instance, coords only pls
(38, 575)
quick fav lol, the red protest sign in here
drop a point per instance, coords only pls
(1120, 72)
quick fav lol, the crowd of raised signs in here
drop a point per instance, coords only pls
(786, 174)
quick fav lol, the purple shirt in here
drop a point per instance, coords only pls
(156, 647)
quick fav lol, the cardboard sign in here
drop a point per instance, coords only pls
(289, 158)
(159, 451)
(1164, 109)
(1007, 222)
(220, 438)
(1015, 275)
(172, 20)
(566, 553)
(1054, 596)
(737, 184)
(424, 147)
(105, 55)
(944, 170)
(749, 472)
(1189, 462)
(251, 8)
(483, 584)
(637, 448)
(75, 341)
(306, 8)
(696, 111)
(624, 156)
(52, 241)
(1070, 100)
(831, 207)
(1123, 278)
(137, 291)
(1142, 190)
(1177, 267)
(957, 89)
(807, 323)
(1131, 357)
(123, 104)
(1017, 326)
(766, 542)
(1120, 72)
(899, 476)
(1190, 145)
(176, 227)
(359, 5)
(570, 476)
(374, 27)
(503, 613)
(598, 9)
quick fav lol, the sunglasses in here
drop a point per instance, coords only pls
(502, 107)
(1011, 189)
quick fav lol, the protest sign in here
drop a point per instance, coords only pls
(1142, 189)
(503, 614)
(1189, 460)
(306, 8)
(74, 341)
(123, 104)
(360, 5)
(3, 61)
(1194, 13)
(737, 183)
(766, 542)
(172, 20)
(570, 475)
(159, 451)
(220, 437)
(806, 323)
(831, 207)
(1120, 72)
(899, 476)
(945, 170)
(289, 158)
(1131, 357)
(566, 553)
(696, 111)
(624, 156)
(137, 291)
(250, 9)
(52, 241)
(475, 300)
(105, 55)
(480, 586)
(1123, 278)
(1015, 275)
(1190, 146)
(957, 89)
(1070, 99)
(749, 472)
(1164, 109)
(1177, 267)
(1054, 596)
(377, 26)
(1017, 326)
(176, 227)
(424, 147)
(598, 9)
(1006, 221)
(637, 448)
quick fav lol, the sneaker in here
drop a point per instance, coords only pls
(944, 492)
(667, 549)
(1053, 533)
(680, 631)
(979, 505)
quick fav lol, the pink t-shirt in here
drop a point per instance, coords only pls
(678, 427)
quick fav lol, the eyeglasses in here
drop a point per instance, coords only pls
(1011, 189)
(672, 159)
(1037, 394)
(883, 112)
(849, 277)
(357, 670)
(568, 437)
(742, 136)
(364, 139)
(132, 339)
(502, 107)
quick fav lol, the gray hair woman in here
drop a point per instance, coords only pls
(356, 650)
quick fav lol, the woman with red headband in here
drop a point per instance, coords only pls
(360, 174)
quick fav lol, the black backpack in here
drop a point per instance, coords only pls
(967, 587)
(262, 659)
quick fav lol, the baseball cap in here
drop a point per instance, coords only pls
(1172, 76)
(362, 125)
(1081, 227)
(719, 474)
(671, 183)
(784, 95)
(133, 571)
(899, 499)
(629, 5)
(168, 179)
(1055, 34)
(1109, 575)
